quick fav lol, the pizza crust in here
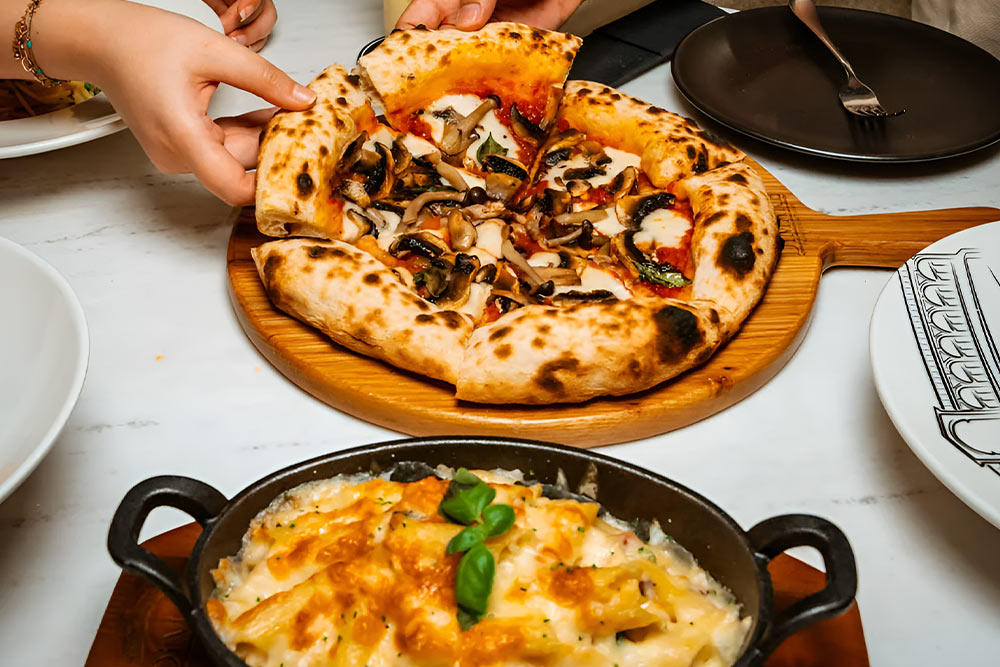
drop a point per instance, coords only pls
(735, 240)
(299, 151)
(540, 355)
(670, 145)
(360, 303)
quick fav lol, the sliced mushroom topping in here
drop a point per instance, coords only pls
(420, 243)
(364, 224)
(580, 217)
(501, 164)
(404, 276)
(563, 140)
(546, 289)
(568, 238)
(475, 196)
(463, 234)
(578, 188)
(556, 202)
(623, 248)
(506, 279)
(575, 296)
(390, 207)
(355, 191)
(449, 173)
(518, 261)
(501, 187)
(460, 281)
(486, 274)
(508, 301)
(415, 206)
(583, 173)
(380, 174)
(523, 127)
(623, 183)
(459, 132)
(633, 210)
(487, 211)
(558, 276)
(351, 153)
(401, 157)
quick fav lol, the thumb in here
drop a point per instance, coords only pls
(248, 71)
(472, 14)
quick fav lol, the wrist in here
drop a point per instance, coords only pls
(68, 37)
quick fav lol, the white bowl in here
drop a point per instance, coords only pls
(44, 349)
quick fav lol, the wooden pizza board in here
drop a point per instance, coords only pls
(141, 628)
(405, 402)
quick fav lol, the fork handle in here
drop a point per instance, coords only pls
(805, 10)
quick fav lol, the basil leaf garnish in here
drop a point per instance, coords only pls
(474, 579)
(661, 274)
(498, 519)
(466, 618)
(468, 538)
(465, 500)
(489, 147)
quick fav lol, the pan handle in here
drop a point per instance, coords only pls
(773, 536)
(198, 499)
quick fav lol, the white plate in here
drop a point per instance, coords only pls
(44, 348)
(88, 120)
(935, 354)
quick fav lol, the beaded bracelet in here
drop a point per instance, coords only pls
(22, 47)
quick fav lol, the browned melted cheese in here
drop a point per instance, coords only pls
(347, 573)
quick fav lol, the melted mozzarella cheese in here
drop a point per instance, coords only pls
(418, 146)
(609, 226)
(388, 234)
(593, 279)
(382, 135)
(620, 160)
(478, 295)
(490, 125)
(547, 259)
(663, 228)
(490, 237)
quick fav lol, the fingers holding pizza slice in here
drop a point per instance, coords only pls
(484, 233)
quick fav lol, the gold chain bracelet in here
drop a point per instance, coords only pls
(23, 50)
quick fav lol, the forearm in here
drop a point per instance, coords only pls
(68, 37)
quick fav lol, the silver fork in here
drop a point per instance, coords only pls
(856, 97)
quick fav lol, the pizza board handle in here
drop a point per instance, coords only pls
(887, 240)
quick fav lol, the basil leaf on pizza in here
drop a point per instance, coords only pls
(524, 238)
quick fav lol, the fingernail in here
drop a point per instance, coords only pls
(303, 94)
(240, 39)
(468, 15)
(247, 11)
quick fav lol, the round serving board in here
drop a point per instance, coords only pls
(409, 403)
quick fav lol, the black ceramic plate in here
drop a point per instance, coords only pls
(763, 73)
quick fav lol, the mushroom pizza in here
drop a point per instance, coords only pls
(527, 239)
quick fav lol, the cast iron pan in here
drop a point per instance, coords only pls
(763, 73)
(737, 558)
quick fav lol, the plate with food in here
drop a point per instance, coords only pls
(934, 353)
(397, 554)
(522, 252)
(44, 350)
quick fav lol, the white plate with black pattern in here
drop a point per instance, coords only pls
(935, 355)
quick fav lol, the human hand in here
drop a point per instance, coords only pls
(247, 22)
(161, 79)
(474, 14)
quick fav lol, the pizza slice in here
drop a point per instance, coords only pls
(484, 99)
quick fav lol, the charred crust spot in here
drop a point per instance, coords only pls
(319, 252)
(538, 342)
(737, 255)
(544, 329)
(634, 368)
(515, 35)
(656, 111)
(691, 153)
(754, 200)
(406, 37)
(451, 319)
(271, 265)
(715, 217)
(424, 319)
(677, 332)
(615, 96)
(342, 101)
(430, 49)
(322, 75)
(584, 91)
(503, 351)
(309, 122)
(737, 178)
(713, 316)
(547, 377)
(422, 306)
(354, 80)
(339, 123)
(537, 35)
(324, 151)
(304, 183)
(743, 223)
(372, 279)
(499, 334)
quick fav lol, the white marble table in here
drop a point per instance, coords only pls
(174, 387)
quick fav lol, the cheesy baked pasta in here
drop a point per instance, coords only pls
(355, 571)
